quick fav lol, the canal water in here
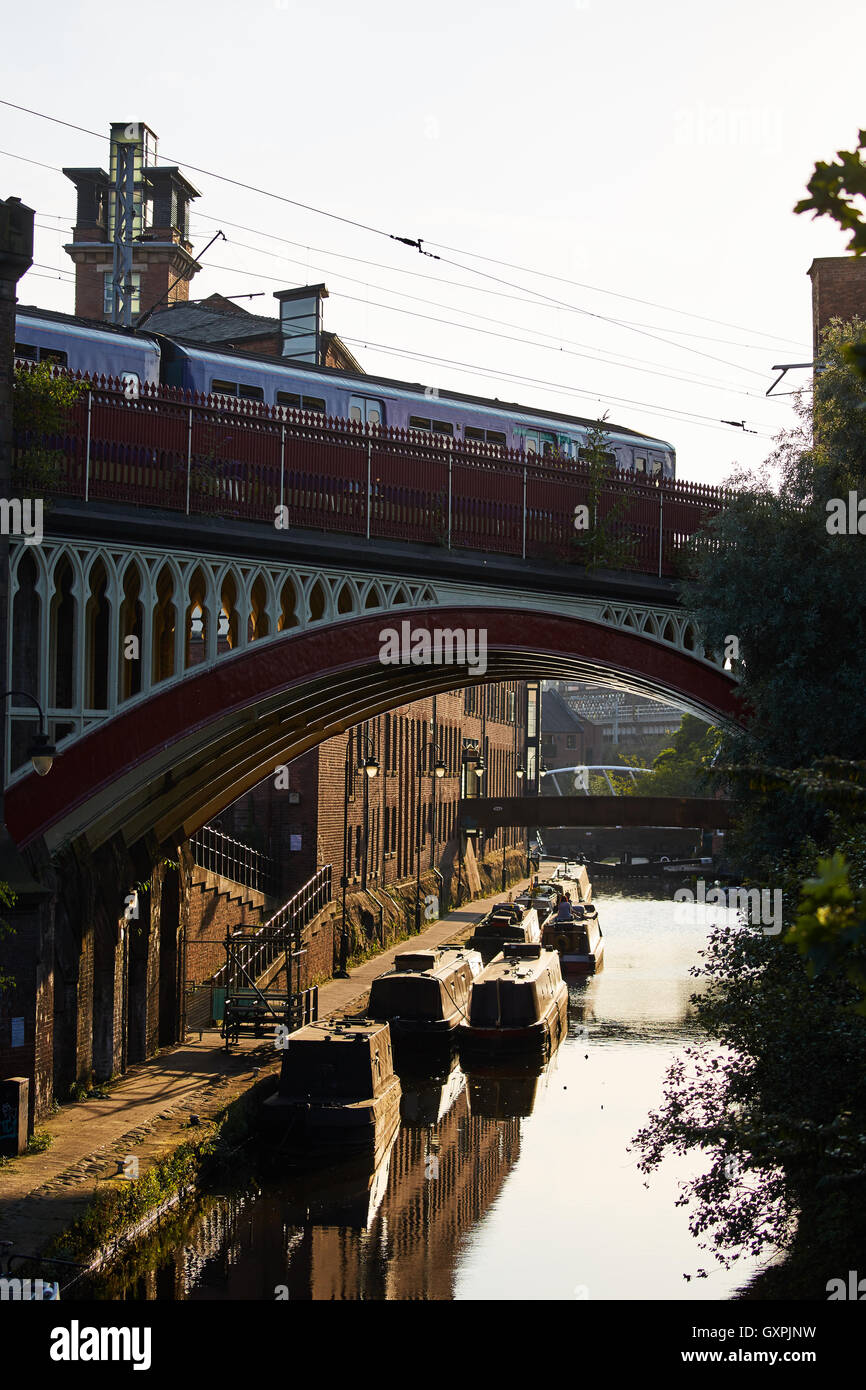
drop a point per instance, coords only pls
(498, 1186)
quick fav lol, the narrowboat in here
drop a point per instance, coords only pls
(504, 925)
(519, 1004)
(426, 993)
(338, 1094)
(578, 939)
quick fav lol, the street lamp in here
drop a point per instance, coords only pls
(438, 771)
(370, 767)
(42, 750)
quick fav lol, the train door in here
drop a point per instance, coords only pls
(366, 410)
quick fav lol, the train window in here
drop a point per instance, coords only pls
(314, 403)
(639, 464)
(53, 355)
(655, 468)
(366, 411)
(586, 456)
(417, 423)
(224, 388)
(442, 427)
(27, 351)
(495, 437)
(531, 444)
(470, 432)
(288, 399)
(251, 393)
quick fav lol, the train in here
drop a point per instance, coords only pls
(139, 357)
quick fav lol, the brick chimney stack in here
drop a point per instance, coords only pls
(838, 291)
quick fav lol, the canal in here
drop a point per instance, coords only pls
(500, 1186)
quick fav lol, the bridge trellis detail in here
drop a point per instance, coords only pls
(75, 605)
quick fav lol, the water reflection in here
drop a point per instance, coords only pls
(506, 1182)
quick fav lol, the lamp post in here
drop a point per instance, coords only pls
(42, 750)
(438, 773)
(370, 768)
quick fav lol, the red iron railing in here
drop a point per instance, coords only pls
(214, 456)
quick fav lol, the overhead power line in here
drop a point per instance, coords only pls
(416, 243)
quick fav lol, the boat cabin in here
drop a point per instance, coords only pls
(520, 999)
(345, 1059)
(504, 925)
(426, 991)
(578, 939)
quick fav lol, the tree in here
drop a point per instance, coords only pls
(600, 546)
(42, 402)
(685, 768)
(781, 1110)
(768, 559)
(832, 188)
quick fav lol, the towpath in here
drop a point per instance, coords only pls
(147, 1113)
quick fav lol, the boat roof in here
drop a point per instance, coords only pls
(519, 967)
(338, 1030)
(436, 963)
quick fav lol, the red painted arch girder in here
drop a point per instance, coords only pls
(520, 643)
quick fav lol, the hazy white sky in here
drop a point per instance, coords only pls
(644, 151)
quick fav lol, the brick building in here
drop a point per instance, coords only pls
(163, 263)
(297, 816)
(567, 740)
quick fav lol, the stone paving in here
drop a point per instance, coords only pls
(147, 1113)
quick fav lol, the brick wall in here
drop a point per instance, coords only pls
(838, 291)
(215, 905)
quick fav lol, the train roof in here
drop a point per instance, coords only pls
(30, 311)
(366, 380)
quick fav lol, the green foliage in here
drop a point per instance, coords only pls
(833, 189)
(7, 899)
(42, 402)
(830, 927)
(39, 1141)
(601, 547)
(684, 769)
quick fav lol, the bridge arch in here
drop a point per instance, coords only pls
(169, 760)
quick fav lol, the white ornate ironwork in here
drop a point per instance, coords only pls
(164, 598)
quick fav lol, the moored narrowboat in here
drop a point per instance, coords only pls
(338, 1093)
(505, 925)
(577, 938)
(426, 993)
(519, 1004)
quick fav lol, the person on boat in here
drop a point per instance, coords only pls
(563, 912)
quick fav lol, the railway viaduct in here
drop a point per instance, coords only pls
(156, 733)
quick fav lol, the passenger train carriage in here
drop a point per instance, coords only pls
(139, 357)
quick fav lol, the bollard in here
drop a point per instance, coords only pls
(14, 1100)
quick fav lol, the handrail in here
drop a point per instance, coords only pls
(251, 956)
(220, 854)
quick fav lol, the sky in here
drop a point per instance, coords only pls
(609, 186)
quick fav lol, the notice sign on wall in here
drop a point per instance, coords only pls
(294, 843)
(18, 1032)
